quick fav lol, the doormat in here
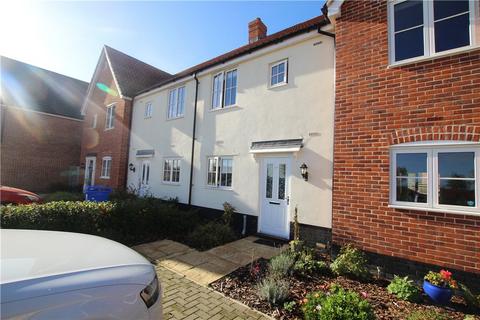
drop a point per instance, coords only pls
(276, 243)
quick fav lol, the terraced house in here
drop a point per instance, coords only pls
(252, 127)
(407, 132)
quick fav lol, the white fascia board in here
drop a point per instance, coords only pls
(245, 57)
(334, 9)
(91, 84)
(114, 77)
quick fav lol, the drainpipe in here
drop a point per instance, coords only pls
(193, 139)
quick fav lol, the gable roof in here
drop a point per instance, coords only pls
(303, 27)
(131, 74)
(29, 87)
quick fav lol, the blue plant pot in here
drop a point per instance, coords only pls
(438, 294)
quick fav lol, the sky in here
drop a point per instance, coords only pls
(67, 37)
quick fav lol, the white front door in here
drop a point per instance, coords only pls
(144, 178)
(89, 171)
(274, 186)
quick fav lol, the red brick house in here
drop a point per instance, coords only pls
(407, 132)
(41, 127)
(107, 110)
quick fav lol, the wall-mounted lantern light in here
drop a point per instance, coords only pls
(303, 170)
(131, 167)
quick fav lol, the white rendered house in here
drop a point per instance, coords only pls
(247, 120)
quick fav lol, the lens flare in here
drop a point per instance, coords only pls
(107, 89)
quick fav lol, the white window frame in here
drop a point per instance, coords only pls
(145, 180)
(148, 110)
(170, 178)
(429, 33)
(110, 117)
(432, 149)
(106, 167)
(223, 89)
(173, 106)
(94, 121)
(270, 73)
(217, 183)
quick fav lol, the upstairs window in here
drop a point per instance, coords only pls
(427, 28)
(220, 172)
(171, 171)
(110, 117)
(148, 110)
(176, 103)
(106, 167)
(279, 73)
(436, 177)
(224, 89)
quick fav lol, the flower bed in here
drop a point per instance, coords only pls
(242, 285)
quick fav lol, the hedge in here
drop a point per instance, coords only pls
(130, 221)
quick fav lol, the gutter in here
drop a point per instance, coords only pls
(193, 140)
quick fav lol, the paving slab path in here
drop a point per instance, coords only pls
(207, 266)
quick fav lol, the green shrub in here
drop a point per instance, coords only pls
(210, 235)
(351, 262)
(123, 194)
(289, 306)
(281, 265)
(404, 289)
(63, 196)
(426, 315)
(472, 300)
(339, 304)
(130, 221)
(228, 211)
(273, 290)
(307, 264)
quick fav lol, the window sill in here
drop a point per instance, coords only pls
(278, 85)
(446, 210)
(233, 106)
(145, 118)
(175, 118)
(433, 57)
(171, 183)
(108, 129)
(219, 188)
(104, 178)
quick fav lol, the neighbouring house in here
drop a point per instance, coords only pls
(239, 128)
(41, 127)
(107, 112)
(407, 132)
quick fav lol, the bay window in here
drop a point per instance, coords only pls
(437, 177)
(428, 28)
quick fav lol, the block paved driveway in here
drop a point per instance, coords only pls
(185, 299)
(185, 274)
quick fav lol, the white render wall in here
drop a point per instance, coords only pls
(304, 108)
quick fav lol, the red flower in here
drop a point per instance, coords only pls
(447, 275)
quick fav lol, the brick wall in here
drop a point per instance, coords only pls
(377, 106)
(38, 150)
(100, 142)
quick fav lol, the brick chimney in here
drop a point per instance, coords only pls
(256, 30)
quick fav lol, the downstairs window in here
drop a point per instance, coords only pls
(435, 176)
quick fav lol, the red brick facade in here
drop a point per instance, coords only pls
(39, 151)
(377, 106)
(100, 142)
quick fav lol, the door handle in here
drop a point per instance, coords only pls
(273, 202)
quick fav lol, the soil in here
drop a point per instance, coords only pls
(241, 285)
